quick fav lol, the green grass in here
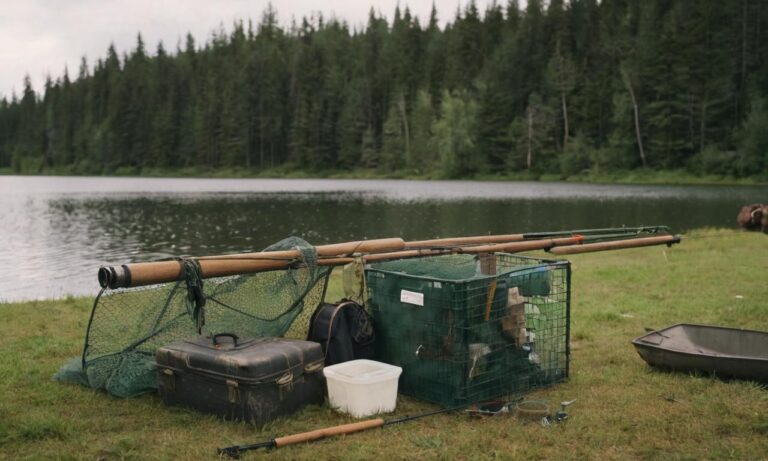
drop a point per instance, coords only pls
(625, 409)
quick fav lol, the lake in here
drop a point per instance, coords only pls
(56, 231)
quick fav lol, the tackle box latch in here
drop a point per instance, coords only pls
(285, 380)
(233, 391)
(169, 379)
(314, 367)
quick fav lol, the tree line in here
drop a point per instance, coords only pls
(558, 87)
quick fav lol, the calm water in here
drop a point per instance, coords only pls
(56, 231)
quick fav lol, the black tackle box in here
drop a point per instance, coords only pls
(253, 380)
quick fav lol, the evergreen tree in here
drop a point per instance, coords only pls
(753, 142)
(532, 138)
(434, 58)
(454, 135)
(465, 48)
(7, 132)
(423, 156)
(30, 141)
(393, 136)
(352, 125)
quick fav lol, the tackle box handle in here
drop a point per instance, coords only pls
(230, 335)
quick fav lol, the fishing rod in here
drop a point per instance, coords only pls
(511, 247)
(562, 246)
(148, 273)
(458, 241)
(140, 274)
(630, 230)
(234, 451)
(668, 240)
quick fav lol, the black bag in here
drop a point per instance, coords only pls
(345, 331)
(253, 380)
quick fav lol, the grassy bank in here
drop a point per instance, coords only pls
(289, 171)
(625, 410)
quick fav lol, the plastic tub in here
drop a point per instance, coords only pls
(532, 410)
(362, 387)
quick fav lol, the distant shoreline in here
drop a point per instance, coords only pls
(638, 177)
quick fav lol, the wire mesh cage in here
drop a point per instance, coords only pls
(471, 328)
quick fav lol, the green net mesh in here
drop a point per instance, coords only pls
(467, 329)
(127, 325)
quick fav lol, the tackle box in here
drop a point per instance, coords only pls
(254, 380)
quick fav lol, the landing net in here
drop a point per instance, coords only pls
(127, 325)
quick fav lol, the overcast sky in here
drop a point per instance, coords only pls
(39, 37)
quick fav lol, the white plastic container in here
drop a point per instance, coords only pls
(362, 387)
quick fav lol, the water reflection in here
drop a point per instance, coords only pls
(57, 231)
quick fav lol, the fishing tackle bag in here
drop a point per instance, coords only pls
(345, 331)
(253, 380)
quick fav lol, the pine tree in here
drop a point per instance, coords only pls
(234, 135)
(465, 48)
(753, 142)
(454, 135)
(434, 58)
(423, 157)
(376, 72)
(29, 147)
(51, 128)
(396, 136)
(532, 138)
(7, 131)
(351, 125)
(267, 89)
(136, 118)
(667, 111)
(161, 147)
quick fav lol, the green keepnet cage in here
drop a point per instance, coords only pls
(470, 328)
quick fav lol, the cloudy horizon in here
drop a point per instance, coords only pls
(43, 37)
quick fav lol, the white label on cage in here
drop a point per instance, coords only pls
(411, 297)
(437, 284)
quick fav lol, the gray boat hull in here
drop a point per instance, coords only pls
(723, 352)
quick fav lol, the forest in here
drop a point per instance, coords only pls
(557, 87)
